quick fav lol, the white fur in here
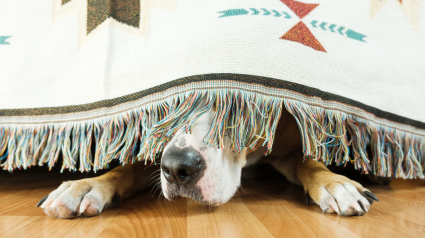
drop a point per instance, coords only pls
(342, 199)
(223, 167)
(72, 199)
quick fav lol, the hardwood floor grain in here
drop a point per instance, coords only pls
(266, 207)
(232, 219)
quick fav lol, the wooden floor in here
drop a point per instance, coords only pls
(265, 208)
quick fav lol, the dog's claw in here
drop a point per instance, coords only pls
(117, 199)
(361, 205)
(307, 199)
(42, 200)
(371, 196)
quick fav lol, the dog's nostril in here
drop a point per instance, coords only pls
(183, 173)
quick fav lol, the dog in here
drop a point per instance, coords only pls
(189, 168)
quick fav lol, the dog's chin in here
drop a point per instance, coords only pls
(172, 192)
(215, 203)
(212, 203)
(204, 202)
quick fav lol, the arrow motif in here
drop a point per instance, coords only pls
(3, 40)
(276, 13)
(233, 12)
(340, 30)
(237, 12)
(265, 12)
(254, 11)
(350, 33)
(355, 35)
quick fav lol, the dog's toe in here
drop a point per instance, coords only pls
(342, 197)
(77, 198)
(90, 206)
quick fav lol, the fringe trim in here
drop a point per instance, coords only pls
(332, 136)
(248, 117)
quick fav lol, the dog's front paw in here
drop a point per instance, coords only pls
(341, 195)
(86, 197)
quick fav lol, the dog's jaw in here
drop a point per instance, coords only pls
(222, 176)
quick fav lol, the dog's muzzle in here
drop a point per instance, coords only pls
(183, 168)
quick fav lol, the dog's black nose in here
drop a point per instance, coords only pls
(182, 166)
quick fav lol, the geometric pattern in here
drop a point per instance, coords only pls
(3, 40)
(334, 28)
(254, 11)
(124, 11)
(299, 8)
(300, 32)
(410, 8)
(132, 16)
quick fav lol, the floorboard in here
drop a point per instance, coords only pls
(266, 207)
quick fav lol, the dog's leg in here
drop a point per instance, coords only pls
(287, 167)
(332, 192)
(89, 197)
